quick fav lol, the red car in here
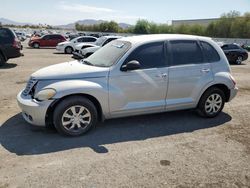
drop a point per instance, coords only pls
(46, 41)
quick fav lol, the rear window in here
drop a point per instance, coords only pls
(6, 36)
(186, 52)
(211, 55)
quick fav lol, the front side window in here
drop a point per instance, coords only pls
(185, 52)
(210, 53)
(149, 55)
(47, 37)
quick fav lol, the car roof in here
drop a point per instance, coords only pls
(160, 37)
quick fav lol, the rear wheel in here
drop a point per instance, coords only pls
(211, 103)
(2, 60)
(69, 50)
(239, 60)
(75, 116)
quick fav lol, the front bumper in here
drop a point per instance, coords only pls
(33, 112)
(60, 48)
(233, 93)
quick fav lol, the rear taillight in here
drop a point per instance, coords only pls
(16, 44)
(233, 79)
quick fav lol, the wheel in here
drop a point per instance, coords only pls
(211, 103)
(2, 60)
(239, 60)
(69, 50)
(75, 116)
(36, 45)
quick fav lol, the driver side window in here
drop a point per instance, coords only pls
(149, 55)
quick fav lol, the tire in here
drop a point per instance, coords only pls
(36, 45)
(68, 119)
(68, 50)
(2, 60)
(239, 60)
(211, 103)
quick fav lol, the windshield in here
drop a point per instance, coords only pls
(99, 41)
(109, 54)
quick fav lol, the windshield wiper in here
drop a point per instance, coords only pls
(87, 63)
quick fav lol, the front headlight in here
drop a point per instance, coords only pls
(45, 94)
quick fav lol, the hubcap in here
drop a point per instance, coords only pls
(213, 104)
(239, 60)
(69, 50)
(76, 118)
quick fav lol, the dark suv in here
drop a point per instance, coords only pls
(10, 46)
(235, 53)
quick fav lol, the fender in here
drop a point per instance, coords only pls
(222, 78)
(96, 87)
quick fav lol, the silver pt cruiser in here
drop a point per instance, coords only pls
(130, 76)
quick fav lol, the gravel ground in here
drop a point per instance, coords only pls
(176, 149)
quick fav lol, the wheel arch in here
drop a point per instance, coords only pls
(220, 86)
(50, 110)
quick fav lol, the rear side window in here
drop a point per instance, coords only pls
(6, 36)
(149, 55)
(211, 55)
(186, 52)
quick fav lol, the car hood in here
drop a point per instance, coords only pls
(70, 70)
(79, 46)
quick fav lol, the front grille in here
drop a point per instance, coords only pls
(29, 86)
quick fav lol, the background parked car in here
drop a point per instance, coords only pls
(235, 53)
(10, 46)
(80, 53)
(21, 36)
(69, 46)
(46, 41)
(246, 47)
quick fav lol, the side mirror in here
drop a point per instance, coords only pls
(132, 65)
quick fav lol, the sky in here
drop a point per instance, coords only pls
(58, 12)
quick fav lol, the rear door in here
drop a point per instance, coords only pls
(188, 74)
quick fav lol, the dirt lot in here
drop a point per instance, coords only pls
(177, 149)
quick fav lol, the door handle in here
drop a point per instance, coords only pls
(205, 70)
(162, 75)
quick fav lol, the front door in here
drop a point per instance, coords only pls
(142, 90)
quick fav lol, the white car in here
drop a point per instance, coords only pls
(84, 50)
(69, 46)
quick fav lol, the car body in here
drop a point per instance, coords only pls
(69, 46)
(130, 76)
(10, 46)
(50, 40)
(84, 50)
(235, 53)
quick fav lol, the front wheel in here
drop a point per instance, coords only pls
(68, 50)
(211, 103)
(75, 116)
(36, 45)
